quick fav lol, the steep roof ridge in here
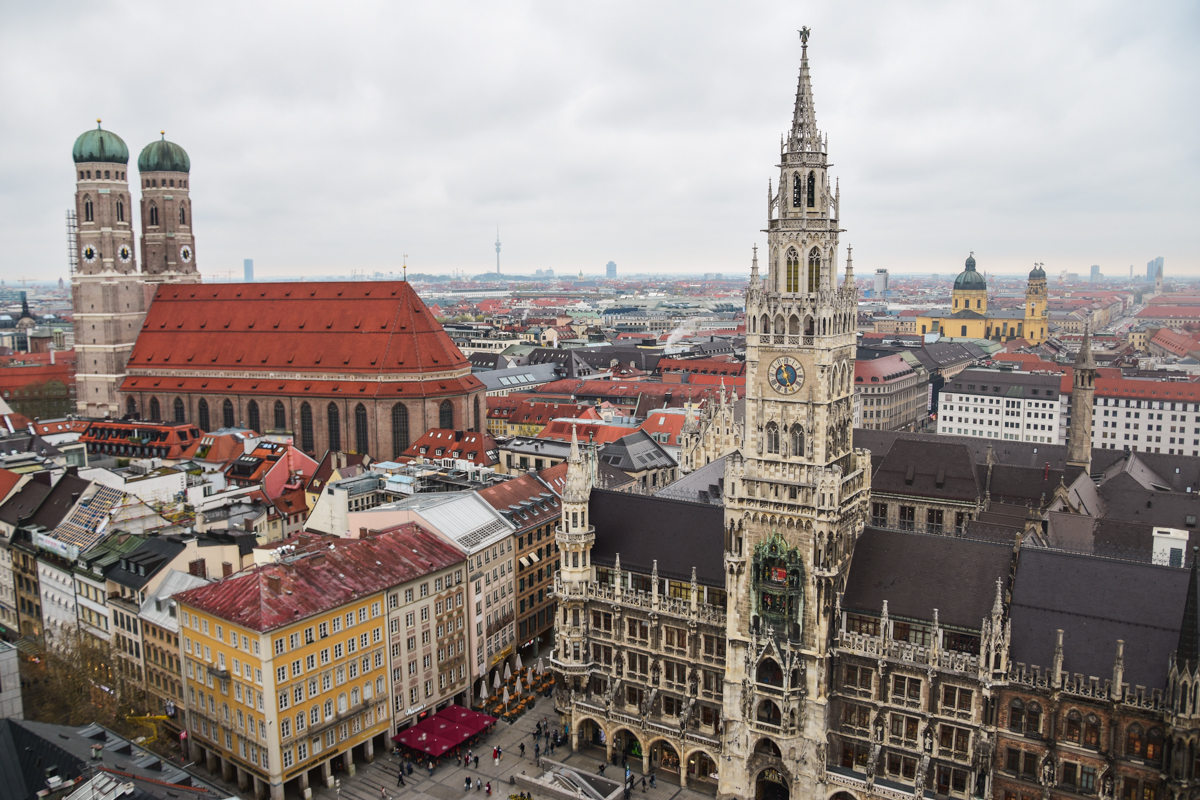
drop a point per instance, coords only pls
(1187, 653)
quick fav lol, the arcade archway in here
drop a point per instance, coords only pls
(771, 784)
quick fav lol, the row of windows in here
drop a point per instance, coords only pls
(154, 214)
(400, 429)
(153, 182)
(89, 210)
(118, 175)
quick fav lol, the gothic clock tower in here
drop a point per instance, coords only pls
(796, 493)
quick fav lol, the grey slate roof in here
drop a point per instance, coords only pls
(136, 569)
(1095, 602)
(917, 573)
(929, 467)
(643, 528)
(635, 452)
(705, 485)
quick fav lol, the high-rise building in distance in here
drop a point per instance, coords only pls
(610, 270)
(1154, 268)
(1096, 276)
(248, 266)
(881, 282)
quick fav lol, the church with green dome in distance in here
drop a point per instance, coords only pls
(109, 293)
(970, 318)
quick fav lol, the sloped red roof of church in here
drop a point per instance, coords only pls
(363, 329)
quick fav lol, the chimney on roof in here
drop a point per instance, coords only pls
(273, 584)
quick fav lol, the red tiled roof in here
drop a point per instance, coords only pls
(540, 412)
(1132, 388)
(599, 433)
(1178, 343)
(881, 370)
(670, 424)
(371, 330)
(523, 489)
(174, 439)
(322, 573)
(1170, 312)
(705, 366)
(340, 461)
(8, 480)
(478, 448)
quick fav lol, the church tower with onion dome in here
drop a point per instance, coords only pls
(168, 246)
(796, 492)
(107, 297)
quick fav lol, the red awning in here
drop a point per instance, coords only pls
(471, 720)
(424, 741)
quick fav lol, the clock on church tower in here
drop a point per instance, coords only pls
(796, 494)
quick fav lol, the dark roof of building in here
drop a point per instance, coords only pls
(929, 468)
(134, 570)
(24, 502)
(704, 485)
(282, 333)
(24, 759)
(1095, 602)
(1002, 383)
(635, 452)
(644, 528)
(60, 501)
(917, 573)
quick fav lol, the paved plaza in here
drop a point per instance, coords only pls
(448, 778)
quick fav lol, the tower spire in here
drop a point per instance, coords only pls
(804, 137)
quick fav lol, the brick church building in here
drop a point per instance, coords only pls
(356, 367)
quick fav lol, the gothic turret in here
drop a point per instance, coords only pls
(1079, 444)
(575, 537)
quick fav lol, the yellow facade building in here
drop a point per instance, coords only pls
(970, 317)
(286, 666)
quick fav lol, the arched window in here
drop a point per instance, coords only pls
(227, 417)
(1074, 729)
(180, 414)
(1154, 744)
(797, 190)
(964, 330)
(360, 428)
(182, 215)
(1033, 718)
(306, 428)
(446, 415)
(797, 441)
(88, 215)
(1091, 731)
(120, 211)
(155, 410)
(478, 425)
(280, 416)
(793, 270)
(202, 415)
(794, 325)
(252, 416)
(814, 270)
(772, 437)
(131, 407)
(812, 189)
(399, 429)
(335, 428)
(342, 702)
(153, 214)
(1016, 715)
(768, 712)
(1133, 740)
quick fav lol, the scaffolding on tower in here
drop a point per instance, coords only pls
(72, 242)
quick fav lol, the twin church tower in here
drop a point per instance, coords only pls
(109, 294)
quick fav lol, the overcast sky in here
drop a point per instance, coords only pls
(331, 137)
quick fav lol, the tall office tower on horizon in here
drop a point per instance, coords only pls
(610, 270)
(248, 266)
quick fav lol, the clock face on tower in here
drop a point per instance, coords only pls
(185, 253)
(89, 254)
(124, 254)
(786, 375)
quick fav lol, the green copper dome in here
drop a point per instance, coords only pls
(100, 145)
(164, 156)
(969, 280)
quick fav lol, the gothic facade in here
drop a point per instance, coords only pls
(719, 430)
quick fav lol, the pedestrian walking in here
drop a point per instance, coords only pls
(382, 793)
(643, 784)
(500, 752)
(653, 781)
(476, 762)
(467, 787)
(431, 768)
(522, 748)
(400, 776)
(537, 750)
(478, 784)
(488, 788)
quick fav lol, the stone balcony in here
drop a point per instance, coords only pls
(671, 606)
(877, 647)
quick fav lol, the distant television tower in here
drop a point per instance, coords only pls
(497, 249)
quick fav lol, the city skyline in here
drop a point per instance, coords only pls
(347, 162)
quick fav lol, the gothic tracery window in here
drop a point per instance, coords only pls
(360, 428)
(182, 215)
(280, 416)
(155, 410)
(797, 442)
(180, 413)
(797, 190)
(227, 413)
(793, 271)
(814, 270)
(306, 428)
(252, 416)
(772, 436)
(446, 415)
(335, 428)
(399, 429)
(153, 214)
(202, 415)
(812, 190)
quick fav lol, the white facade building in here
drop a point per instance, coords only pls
(997, 404)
